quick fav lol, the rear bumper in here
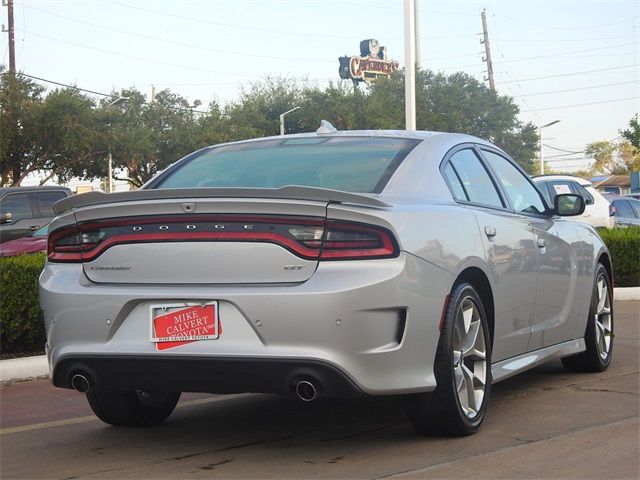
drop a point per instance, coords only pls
(360, 326)
(202, 374)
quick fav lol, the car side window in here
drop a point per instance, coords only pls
(17, 205)
(635, 204)
(580, 190)
(472, 178)
(455, 183)
(44, 202)
(544, 189)
(623, 209)
(524, 197)
(558, 187)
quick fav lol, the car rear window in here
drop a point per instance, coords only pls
(352, 164)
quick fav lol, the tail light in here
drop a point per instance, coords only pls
(308, 238)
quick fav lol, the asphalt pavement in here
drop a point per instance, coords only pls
(546, 423)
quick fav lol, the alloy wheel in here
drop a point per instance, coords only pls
(469, 357)
(603, 318)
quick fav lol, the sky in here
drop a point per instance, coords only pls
(573, 61)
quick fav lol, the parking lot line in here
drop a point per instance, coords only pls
(92, 418)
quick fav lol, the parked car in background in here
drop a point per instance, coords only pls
(420, 264)
(627, 210)
(25, 209)
(32, 243)
(597, 210)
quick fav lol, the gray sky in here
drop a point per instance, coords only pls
(551, 56)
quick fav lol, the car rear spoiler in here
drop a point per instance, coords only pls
(290, 192)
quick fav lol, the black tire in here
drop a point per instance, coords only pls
(441, 412)
(133, 408)
(594, 358)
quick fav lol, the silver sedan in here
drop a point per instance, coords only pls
(419, 264)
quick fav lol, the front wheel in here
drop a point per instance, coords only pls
(462, 369)
(598, 337)
(136, 408)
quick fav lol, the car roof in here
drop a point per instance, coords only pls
(424, 135)
(559, 176)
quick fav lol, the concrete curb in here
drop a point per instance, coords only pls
(26, 368)
(625, 294)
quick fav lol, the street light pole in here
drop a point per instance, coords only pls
(541, 144)
(410, 64)
(110, 173)
(117, 101)
(282, 119)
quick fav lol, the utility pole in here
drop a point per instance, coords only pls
(487, 50)
(410, 64)
(11, 32)
(417, 28)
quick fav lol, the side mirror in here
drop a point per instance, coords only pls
(568, 205)
(5, 218)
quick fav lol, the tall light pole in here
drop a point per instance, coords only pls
(416, 22)
(282, 119)
(115, 103)
(541, 144)
(410, 64)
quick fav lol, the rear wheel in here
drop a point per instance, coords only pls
(462, 369)
(137, 408)
(599, 335)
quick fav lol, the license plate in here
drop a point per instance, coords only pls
(177, 324)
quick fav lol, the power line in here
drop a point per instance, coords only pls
(561, 155)
(94, 92)
(507, 73)
(524, 59)
(245, 27)
(386, 7)
(575, 89)
(571, 74)
(589, 27)
(64, 85)
(142, 59)
(583, 104)
(172, 42)
(560, 40)
(562, 149)
(222, 24)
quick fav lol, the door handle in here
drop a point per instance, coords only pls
(33, 228)
(541, 243)
(490, 231)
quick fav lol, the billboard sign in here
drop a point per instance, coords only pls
(371, 64)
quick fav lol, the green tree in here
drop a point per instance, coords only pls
(53, 133)
(613, 159)
(20, 99)
(632, 134)
(143, 137)
(455, 103)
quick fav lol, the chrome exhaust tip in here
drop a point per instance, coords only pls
(80, 383)
(306, 391)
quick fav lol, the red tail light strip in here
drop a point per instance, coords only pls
(305, 237)
(92, 254)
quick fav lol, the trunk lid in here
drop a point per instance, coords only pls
(229, 236)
